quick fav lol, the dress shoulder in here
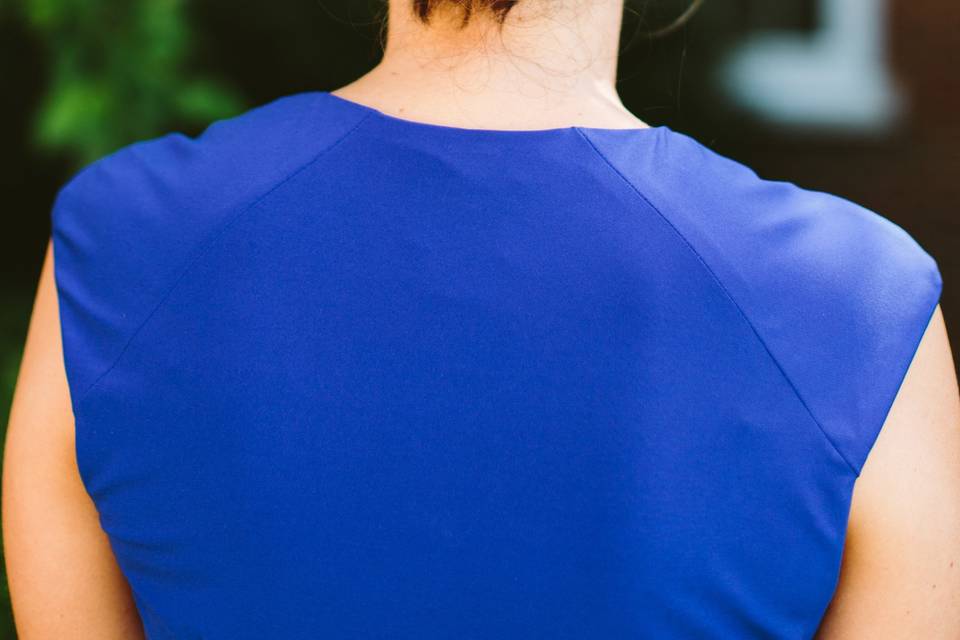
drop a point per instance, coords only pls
(839, 295)
(125, 226)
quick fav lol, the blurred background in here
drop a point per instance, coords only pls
(855, 97)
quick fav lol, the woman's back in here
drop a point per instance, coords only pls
(334, 372)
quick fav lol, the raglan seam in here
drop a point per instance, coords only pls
(201, 250)
(728, 294)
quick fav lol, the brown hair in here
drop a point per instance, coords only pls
(499, 8)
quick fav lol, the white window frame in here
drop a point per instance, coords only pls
(836, 77)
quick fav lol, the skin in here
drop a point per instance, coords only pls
(900, 576)
(63, 577)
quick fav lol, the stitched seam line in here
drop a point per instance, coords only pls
(727, 293)
(207, 243)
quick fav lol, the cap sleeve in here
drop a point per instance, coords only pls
(127, 226)
(842, 296)
(839, 295)
(121, 229)
(98, 285)
(880, 288)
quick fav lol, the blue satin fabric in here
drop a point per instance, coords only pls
(339, 374)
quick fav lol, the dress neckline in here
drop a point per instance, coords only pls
(429, 126)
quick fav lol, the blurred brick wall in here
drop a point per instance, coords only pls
(925, 47)
(925, 52)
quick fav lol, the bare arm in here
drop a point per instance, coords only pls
(64, 579)
(900, 576)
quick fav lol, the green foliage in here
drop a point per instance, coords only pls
(118, 73)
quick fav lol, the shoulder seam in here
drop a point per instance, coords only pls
(202, 248)
(727, 293)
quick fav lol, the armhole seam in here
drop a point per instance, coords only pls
(727, 293)
(201, 250)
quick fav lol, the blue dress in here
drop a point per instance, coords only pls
(337, 374)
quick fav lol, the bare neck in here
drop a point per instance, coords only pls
(552, 63)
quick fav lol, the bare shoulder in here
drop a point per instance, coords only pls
(900, 576)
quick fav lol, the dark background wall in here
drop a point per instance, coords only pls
(81, 79)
